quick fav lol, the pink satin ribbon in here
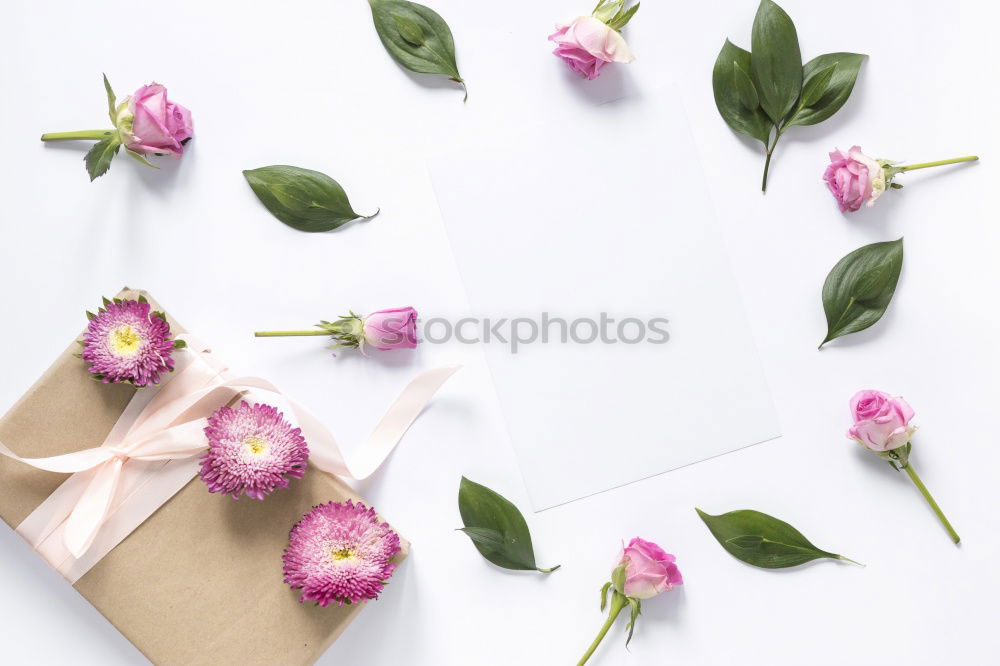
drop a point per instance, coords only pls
(151, 453)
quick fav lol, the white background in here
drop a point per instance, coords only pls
(308, 83)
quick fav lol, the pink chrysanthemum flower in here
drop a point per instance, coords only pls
(340, 552)
(252, 450)
(127, 342)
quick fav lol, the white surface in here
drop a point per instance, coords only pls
(531, 236)
(308, 83)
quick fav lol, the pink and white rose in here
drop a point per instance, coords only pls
(149, 123)
(649, 570)
(854, 179)
(391, 329)
(881, 421)
(588, 44)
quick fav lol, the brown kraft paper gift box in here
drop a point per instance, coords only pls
(200, 581)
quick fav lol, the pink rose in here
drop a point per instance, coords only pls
(854, 179)
(587, 44)
(391, 329)
(150, 123)
(649, 570)
(881, 422)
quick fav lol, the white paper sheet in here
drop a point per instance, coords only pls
(605, 211)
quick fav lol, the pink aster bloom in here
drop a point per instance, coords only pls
(340, 552)
(252, 450)
(127, 342)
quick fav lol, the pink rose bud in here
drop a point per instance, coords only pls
(881, 422)
(854, 179)
(591, 42)
(649, 570)
(391, 329)
(149, 123)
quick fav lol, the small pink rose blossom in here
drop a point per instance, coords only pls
(882, 425)
(643, 571)
(881, 422)
(588, 44)
(149, 123)
(854, 179)
(391, 329)
(649, 570)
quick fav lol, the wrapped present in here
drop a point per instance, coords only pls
(188, 576)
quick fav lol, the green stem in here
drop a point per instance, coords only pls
(930, 500)
(767, 162)
(618, 602)
(85, 135)
(938, 163)
(285, 334)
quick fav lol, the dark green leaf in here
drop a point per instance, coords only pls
(98, 158)
(111, 100)
(744, 89)
(301, 198)
(776, 63)
(180, 344)
(732, 62)
(762, 540)
(816, 85)
(834, 93)
(859, 288)
(416, 37)
(408, 30)
(485, 536)
(496, 528)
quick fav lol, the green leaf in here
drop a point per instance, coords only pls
(834, 93)
(98, 158)
(816, 85)
(496, 528)
(408, 30)
(636, 610)
(775, 60)
(604, 595)
(111, 100)
(301, 198)
(731, 63)
(180, 344)
(744, 88)
(762, 540)
(618, 579)
(140, 159)
(859, 288)
(416, 37)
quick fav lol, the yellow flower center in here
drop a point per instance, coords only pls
(257, 445)
(343, 554)
(125, 340)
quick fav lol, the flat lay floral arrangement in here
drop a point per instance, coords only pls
(252, 448)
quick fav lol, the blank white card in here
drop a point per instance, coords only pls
(605, 213)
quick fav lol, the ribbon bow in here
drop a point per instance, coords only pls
(170, 427)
